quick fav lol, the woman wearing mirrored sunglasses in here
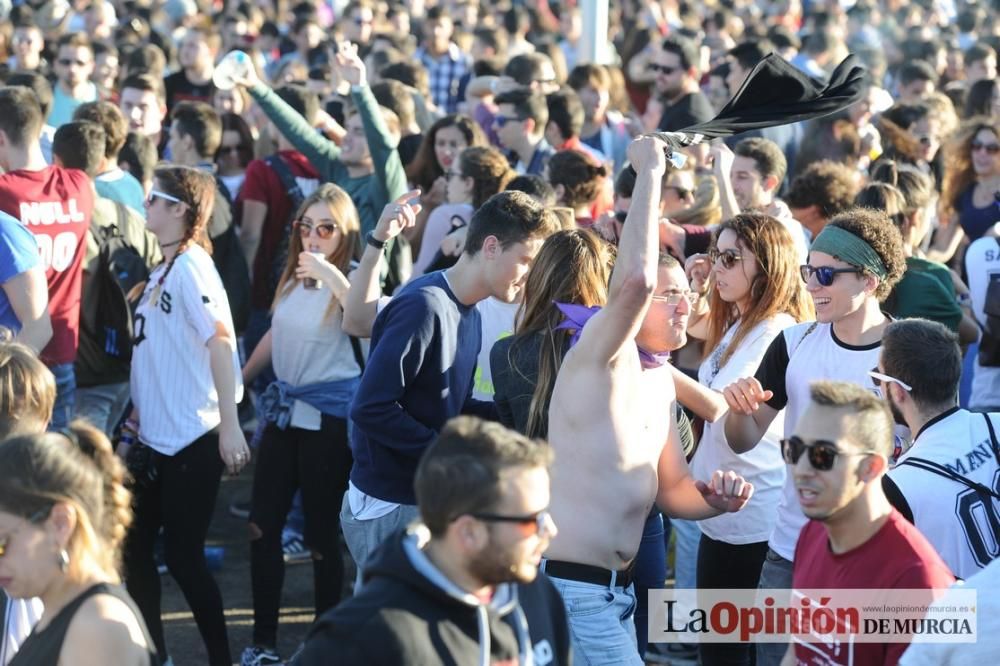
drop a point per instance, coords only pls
(303, 433)
(754, 292)
(969, 203)
(184, 388)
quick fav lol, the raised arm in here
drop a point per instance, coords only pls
(722, 165)
(614, 328)
(361, 301)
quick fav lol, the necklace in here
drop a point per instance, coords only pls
(171, 244)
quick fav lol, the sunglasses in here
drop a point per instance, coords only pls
(674, 298)
(653, 67)
(990, 148)
(531, 525)
(66, 62)
(727, 257)
(322, 230)
(822, 453)
(156, 194)
(502, 120)
(34, 519)
(682, 192)
(231, 149)
(824, 274)
(879, 377)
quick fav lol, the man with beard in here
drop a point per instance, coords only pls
(463, 587)
(611, 423)
(955, 452)
(675, 81)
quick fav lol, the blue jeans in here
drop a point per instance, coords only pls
(364, 536)
(688, 536)
(600, 622)
(650, 572)
(776, 574)
(65, 405)
(102, 405)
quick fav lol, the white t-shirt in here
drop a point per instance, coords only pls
(763, 465)
(951, 515)
(21, 616)
(171, 379)
(307, 347)
(986, 650)
(497, 322)
(802, 354)
(982, 264)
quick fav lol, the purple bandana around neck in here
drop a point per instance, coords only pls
(577, 317)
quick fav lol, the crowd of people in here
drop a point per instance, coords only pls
(434, 271)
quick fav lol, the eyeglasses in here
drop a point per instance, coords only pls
(156, 194)
(824, 274)
(728, 258)
(502, 120)
(990, 148)
(822, 453)
(66, 62)
(653, 67)
(34, 519)
(531, 525)
(674, 298)
(879, 377)
(322, 230)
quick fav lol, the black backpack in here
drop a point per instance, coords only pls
(227, 255)
(989, 345)
(280, 257)
(105, 351)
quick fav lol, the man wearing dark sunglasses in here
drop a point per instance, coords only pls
(463, 587)
(854, 538)
(520, 126)
(675, 81)
(73, 66)
(854, 263)
(948, 482)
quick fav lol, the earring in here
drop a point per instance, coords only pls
(63, 560)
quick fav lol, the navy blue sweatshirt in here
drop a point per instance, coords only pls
(419, 374)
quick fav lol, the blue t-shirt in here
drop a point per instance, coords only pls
(18, 253)
(123, 187)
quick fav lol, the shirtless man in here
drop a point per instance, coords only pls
(612, 429)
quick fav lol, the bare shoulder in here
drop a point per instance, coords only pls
(104, 631)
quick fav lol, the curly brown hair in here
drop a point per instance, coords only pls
(959, 175)
(875, 228)
(829, 185)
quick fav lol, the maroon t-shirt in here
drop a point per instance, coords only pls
(896, 557)
(55, 204)
(263, 185)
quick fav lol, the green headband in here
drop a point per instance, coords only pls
(845, 246)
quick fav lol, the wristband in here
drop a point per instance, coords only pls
(374, 242)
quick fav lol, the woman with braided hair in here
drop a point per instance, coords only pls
(185, 384)
(63, 515)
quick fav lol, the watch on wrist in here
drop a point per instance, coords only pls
(374, 242)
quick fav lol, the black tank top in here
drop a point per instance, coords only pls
(42, 648)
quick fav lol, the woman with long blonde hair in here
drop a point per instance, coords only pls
(572, 267)
(303, 432)
(754, 292)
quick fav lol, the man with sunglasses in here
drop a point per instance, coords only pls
(73, 66)
(948, 482)
(520, 127)
(675, 81)
(611, 424)
(854, 538)
(854, 264)
(463, 586)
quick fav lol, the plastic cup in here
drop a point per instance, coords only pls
(235, 65)
(312, 283)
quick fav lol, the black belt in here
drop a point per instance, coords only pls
(585, 573)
